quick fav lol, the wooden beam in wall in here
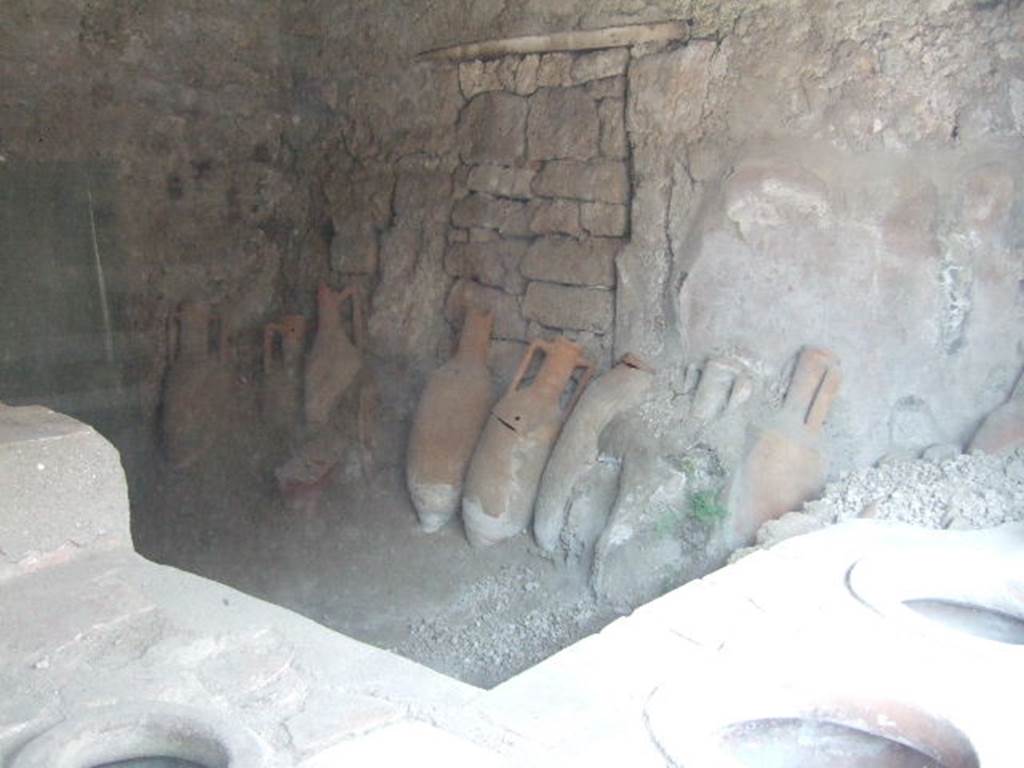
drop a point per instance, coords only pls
(576, 40)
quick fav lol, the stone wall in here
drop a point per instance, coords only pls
(542, 193)
(785, 145)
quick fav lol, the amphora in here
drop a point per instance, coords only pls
(335, 359)
(506, 467)
(576, 451)
(281, 391)
(199, 378)
(448, 420)
(784, 466)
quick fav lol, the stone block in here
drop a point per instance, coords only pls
(480, 235)
(555, 70)
(460, 182)
(564, 306)
(508, 321)
(600, 65)
(493, 263)
(612, 115)
(476, 77)
(526, 75)
(563, 123)
(63, 488)
(500, 180)
(609, 88)
(605, 181)
(589, 262)
(492, 129)
(555, 217)
(509, 217)
(604, 219)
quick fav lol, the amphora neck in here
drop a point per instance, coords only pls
(561, 360)
(475, 340)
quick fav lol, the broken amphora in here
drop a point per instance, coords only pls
(335, 359)
(199, 378)
(305, 477)
(576, 451)
(281, 392)
(784, 466)
(506, 467)
(1002, 431)
(447, 424)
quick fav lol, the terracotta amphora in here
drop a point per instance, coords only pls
(448, 420)
(281, 391)
(784, 465)
(576, 451)
(1003, 431)
(501, 485)
(335, 359)
(199, 378)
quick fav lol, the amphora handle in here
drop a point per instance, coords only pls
(588, 374)
(292, 328)
(813, 386)
(524, 363)
(328, 298)
(210, 323)
(539, 345)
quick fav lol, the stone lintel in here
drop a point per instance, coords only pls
(575, 40)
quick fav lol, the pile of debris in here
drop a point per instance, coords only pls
(975, 490)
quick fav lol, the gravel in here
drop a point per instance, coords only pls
(966, 491)
(500, 626)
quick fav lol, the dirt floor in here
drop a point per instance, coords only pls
(362, 566)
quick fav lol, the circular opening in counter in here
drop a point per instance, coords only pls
(768, 725)
(949, 590)
(148, 735)
(793, 742)
(976, 620)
